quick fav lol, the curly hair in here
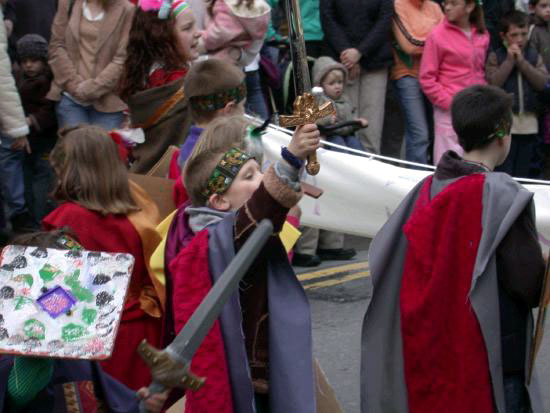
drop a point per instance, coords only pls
(151, 41)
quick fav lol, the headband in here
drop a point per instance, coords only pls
(218, 100)
(165, 7)
(225, 171)
(502, 128)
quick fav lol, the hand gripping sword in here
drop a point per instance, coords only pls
(170, 367)
(306, 109)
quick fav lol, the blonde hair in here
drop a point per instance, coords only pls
(90, 173)
(217, 138)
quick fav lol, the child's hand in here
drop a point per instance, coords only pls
(515, 50)
(153, 403)
(305, 141)
(364, 122)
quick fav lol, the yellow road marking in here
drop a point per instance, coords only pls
(334, 270)
(329, 283)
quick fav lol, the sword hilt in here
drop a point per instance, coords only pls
(313, 166)
(167, 372)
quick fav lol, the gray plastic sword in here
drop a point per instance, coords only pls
(170, 367)
(306, 109)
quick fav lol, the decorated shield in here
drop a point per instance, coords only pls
(61, 303)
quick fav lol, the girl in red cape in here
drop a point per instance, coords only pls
(109, 213)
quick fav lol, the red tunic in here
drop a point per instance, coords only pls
(115, 233)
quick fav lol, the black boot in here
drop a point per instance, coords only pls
(336, 254)
(305, 260)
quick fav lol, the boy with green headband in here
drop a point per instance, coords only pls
(259, 352)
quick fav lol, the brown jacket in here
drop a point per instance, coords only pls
(64, 53)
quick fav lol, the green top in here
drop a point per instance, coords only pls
(311, 21)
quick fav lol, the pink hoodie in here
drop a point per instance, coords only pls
(452, 61)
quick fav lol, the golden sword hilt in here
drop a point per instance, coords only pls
(166, 371)
(306, 110)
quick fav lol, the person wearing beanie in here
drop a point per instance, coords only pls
(317, 245)
(33, 80)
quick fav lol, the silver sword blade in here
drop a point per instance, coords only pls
(191, 336)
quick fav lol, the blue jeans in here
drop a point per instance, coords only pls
(11, 171)
(39, 178)
(520, 158)
(70, 113)
(255, 101)
(416, 123)
(350, 141)
(515, 394)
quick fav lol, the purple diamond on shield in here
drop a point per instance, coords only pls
(56, 301)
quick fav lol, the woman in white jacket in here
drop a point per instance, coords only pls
(13, 140)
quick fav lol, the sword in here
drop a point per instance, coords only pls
(306, 109)
(170, 367)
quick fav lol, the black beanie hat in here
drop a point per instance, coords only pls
(32, 46)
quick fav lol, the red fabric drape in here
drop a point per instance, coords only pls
(446, 364)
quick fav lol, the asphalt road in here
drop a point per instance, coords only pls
(339, 294)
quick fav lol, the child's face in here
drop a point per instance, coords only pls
(542, 9)
(32, 67)
(333, 84)
(187, 36)
(457, 10)
(515, 36)
(245, 183)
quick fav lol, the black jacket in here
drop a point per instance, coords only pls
(361, 24)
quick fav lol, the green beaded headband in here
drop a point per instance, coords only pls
(502, 129)
(218, 100)
(225, 171)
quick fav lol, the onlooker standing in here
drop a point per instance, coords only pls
(493, 11)
(358, 32)
(519, 70)
(30, 16)
(412, 23)
(13, 137)
(33, 81)
(453, 59)
(87, 54)
(313, 32)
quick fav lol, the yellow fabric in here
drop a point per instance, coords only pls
(145, 220)
(156, 262)
(289, 236)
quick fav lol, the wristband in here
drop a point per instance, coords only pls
(291, 158)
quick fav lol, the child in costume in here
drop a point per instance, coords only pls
(259, 352)
(109, 213)
(33, 82)
(453, 59)
(519, 69)
(42, 384)
(456, 271)
(160, 51)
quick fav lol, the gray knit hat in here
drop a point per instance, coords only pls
(32, 46)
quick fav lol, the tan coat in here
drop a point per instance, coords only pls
(64, 54)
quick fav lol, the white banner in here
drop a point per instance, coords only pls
(360, 193)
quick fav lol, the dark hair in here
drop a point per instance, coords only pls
(533, 2)
(513, 18)
(477, 17)
(46, 239)
(478, 113)
(151, 41)
(209, 77)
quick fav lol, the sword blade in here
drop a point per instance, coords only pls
(302, 80)
(191, 336)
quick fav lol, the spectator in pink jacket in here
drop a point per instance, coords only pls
(453, 59)
(235, 29)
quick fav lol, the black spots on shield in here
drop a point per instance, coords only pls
(103, 298)
(40, 253)
(6, 293)
(73, 254)
(101, 279)
(18, 262)
(119, 274)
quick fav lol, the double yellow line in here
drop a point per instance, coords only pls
(348, 272)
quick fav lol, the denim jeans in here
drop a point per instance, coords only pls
(38, 178)
(416, 123)
(70, 113)
(520, 158)
(11, 171)
(349, 141)
(255, 101)
(515, 393)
